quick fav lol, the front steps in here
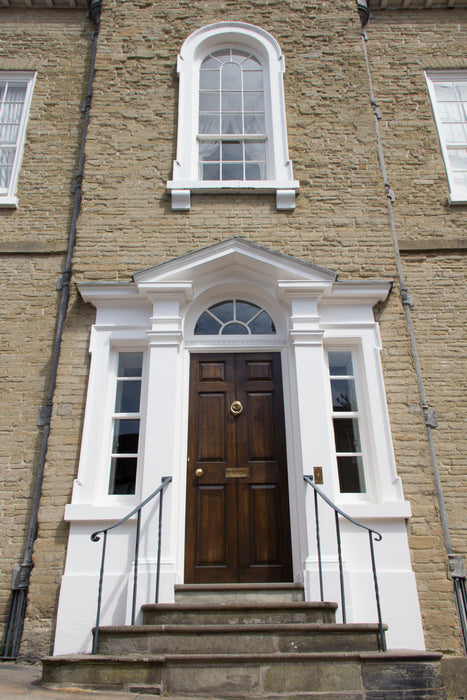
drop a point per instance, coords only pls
(248, 641)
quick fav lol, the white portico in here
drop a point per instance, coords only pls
(328, 342)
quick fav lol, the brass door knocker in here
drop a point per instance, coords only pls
(236, 408)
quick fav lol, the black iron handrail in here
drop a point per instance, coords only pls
(371, 533)
(459, 577)
(95, 538)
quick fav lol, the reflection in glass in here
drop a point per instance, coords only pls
(458, 159)
(128, 396)
(343, 395)
(340, 363)
(234, 317)
(262, 324)
(234, 328)
(126, 436)
(445, 91)
(347, 435)
(245, 311)
(454, 133)
(346, 427)
(351, 477)
(207, 325)
(209, 150)
(224, 311)
(122, 475)
(449, 111)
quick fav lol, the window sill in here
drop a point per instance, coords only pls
(8, 202)
(376, 511)
(81, 512)
(181, 190)
(455, 199)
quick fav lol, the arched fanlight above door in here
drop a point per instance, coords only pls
(235, 317)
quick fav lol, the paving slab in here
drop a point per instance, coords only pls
(20, 680)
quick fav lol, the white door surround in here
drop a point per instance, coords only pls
(156, 313)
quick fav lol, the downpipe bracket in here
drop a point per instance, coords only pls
(457, 566)
(431, 419)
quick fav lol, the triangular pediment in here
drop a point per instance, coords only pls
(234, 258)
(237, 262)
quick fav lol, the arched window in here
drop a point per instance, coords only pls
(231, 128)
(235, 317)
(232, 135)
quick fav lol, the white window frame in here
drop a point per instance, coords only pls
(8, 197)
(185, 170)
(116, 416)
(361, 415)
(457, 195)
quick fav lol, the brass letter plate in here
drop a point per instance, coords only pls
(231, 473)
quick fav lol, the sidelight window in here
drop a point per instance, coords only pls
(126, 423)
(346, 422)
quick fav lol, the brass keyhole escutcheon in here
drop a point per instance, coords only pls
(199, 472)
(236, 408)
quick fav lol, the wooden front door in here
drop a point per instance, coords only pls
(237, 522)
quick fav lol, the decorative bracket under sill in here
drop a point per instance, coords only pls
(285, 196)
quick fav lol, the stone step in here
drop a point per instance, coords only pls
(235, 639)
(330, 676)
(225, 593)
(102, 672)
(238, 613)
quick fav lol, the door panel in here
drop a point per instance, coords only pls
(237, 526)
(264, 504)
(261, 440)
(211, 535)
(212, 443)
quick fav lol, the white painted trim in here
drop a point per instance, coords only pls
(8, 197)
(185, 168)
(311, 311)
(457, 195)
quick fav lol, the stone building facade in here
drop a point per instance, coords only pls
(348, 101)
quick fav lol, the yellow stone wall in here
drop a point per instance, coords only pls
(340, 222)
(33, 243)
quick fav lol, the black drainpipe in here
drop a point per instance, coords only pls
(457, 569)
(22, 573)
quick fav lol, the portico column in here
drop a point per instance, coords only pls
(314, 431)
(160, 449)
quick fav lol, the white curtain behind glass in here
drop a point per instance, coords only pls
(11, 110)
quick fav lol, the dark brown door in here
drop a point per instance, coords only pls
(237, 523)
